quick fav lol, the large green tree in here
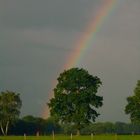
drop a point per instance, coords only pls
(133, 106)
(10, 104)
(75, 100)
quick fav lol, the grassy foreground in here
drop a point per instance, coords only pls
(100, 137)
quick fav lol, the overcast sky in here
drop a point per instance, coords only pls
(36, 36)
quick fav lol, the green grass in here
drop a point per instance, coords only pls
(58, 137)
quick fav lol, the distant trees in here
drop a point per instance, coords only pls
(31, 125)
(104, 128)
(133, 106)
(31, 128)
(75, 100)
(40, 125)
(10, 104)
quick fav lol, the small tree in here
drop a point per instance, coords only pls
(10, 105)
(133, 106)
(75, 100)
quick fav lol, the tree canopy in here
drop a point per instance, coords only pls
(10, 104)
(133, 106)
(75, 100)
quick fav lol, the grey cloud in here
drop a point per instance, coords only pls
(60, 14)
(37, 37)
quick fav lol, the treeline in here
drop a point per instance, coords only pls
(30, 125)
(103, 128)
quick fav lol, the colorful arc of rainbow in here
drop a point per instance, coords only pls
(84, 42)
(90, 33)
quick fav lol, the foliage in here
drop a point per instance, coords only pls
(75, 100)
(31, 125)
(104, 128)
(10, 104)
(48, 125)
(133, 106)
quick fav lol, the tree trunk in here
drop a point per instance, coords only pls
(2, 130)
(78, 132)
(7, 126)
(78, 126)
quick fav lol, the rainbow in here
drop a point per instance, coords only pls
(85, 39)
(90, 32)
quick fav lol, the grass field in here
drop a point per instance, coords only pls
(101, 137)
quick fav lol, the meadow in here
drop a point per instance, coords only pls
(58, 137)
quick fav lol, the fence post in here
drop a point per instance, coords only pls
(37, 133)
(53, 134)
(71, 136)
(25, 136)
(91, 136)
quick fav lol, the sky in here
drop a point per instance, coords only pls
(37, 36)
